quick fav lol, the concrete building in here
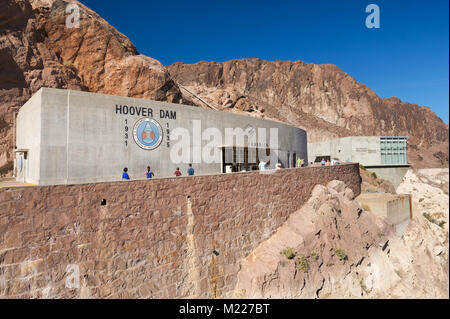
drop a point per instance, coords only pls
(384, 155)
(66, 137)
(396, 208)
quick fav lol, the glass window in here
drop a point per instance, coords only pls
(239, 155)
(393, 150)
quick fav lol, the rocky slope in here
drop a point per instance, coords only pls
(339, 250)
(430, 193)
(37, 49)
(320, 98)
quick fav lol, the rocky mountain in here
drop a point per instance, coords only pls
(38, 49)
(322, 99)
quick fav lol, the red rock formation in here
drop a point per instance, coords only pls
(320, 98)
(37, 49)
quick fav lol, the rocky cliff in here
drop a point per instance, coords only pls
(332, 248)
(37, 49)
(322, 99)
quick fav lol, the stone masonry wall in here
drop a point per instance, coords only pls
(161, 238)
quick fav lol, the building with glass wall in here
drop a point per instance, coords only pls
(385, 155)
(393, 150)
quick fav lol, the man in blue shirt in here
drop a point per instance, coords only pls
(125, 174)
(149, 173)
(190, 170)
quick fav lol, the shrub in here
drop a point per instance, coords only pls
(302, 264)
(314, 255)
(69, 65)
(428, 216)
(288, 252)
(374, 175)
(363, 286)
(241, 293)
(340, 253)
(440, 223)
(361, 166)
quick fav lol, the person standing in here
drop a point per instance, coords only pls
(149, 173)
(190, 170)
(125, 176)
(177, 172)
(323, 162)
(262, 166)
(299, 162)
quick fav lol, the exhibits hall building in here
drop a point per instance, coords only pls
(68, 137)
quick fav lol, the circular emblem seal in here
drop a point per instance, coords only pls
(147, 133)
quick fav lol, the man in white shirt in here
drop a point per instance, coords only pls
(262, 166)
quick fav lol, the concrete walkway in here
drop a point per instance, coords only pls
(11, 182)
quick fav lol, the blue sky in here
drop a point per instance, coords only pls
(407, 57)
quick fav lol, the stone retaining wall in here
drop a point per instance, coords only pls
(161, 238)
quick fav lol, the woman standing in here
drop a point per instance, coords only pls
(149, 173)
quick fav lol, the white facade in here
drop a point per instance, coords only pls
(384, 155)
(66, 137)
(367, 150)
